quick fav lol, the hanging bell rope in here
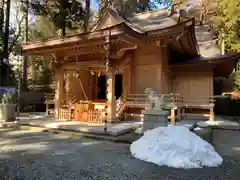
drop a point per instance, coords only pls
(80, 82)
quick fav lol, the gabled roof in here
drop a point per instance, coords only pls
(111, 18)
(141, 26)
(140, 22)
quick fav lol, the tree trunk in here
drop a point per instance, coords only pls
(63, 31)
(6, 33)
(25, 59)
(86, 19)
(1, 29)
(1, 15)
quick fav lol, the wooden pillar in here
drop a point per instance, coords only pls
(110, 73)
(68, 86)
(59, 78)
(57, 93)
(172, 116)
(111, 98)
(132, 72)
(61, 87)
(94, 87)
(125, 82)
(164, 71)
(211, 118)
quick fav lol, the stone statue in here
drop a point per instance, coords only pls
(8, 97)
(155, 102)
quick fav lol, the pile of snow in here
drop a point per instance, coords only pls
(175, 146)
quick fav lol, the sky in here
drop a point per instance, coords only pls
(94, 4)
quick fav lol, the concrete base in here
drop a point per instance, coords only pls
(76, 126)
(154, 119)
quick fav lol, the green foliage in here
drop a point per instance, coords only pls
(227, 24)
(40, 71)
(127, 7)
(62, 13)
(45, 77)
(42, 29)
(237, 80)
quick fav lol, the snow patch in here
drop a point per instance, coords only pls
(175, 146)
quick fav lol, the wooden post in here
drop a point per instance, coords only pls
(172, 118)
(94, 87)
(183, 112)
(68, 86)
(47, 108)
(110, 73)
(57, 93)
(179, 115)
(59, 80)
(111, 98)
(211, 114)
(211, 118)
(61, 87)
(126, 86)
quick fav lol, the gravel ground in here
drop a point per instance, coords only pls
(28, 155)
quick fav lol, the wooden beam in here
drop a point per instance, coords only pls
(83, 38)
(132, 40)
(85, 63)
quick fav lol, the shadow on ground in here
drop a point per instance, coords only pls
(34, 155)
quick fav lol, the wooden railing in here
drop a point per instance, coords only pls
(96, 116)
(136, 100)
(174, 103)
(49, 97)
(65, 113)
(203, 103)
(50, 100)
(140, 100)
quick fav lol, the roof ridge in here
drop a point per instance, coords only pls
(150, 12)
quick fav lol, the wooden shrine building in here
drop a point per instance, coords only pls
(129, 54)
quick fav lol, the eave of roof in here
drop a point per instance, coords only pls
(84, 38)
(118, 31)
(216, 60)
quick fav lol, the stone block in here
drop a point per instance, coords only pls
(154, 119)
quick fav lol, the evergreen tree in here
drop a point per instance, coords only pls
(9, 36)
(125, 7)
(227, 24)
(62, 13)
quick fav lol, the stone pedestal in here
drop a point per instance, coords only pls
(154, 119)
(7, 112)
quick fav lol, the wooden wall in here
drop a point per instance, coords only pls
(194, 82)
(150, 70)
